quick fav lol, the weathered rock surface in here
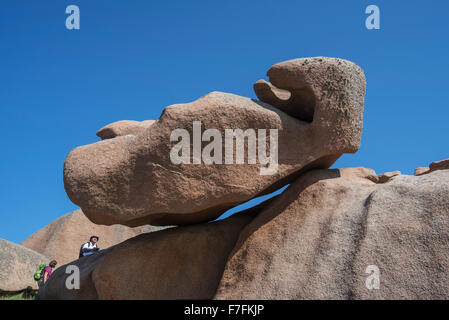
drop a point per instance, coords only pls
(439, 165)
(384, 177)
(61, 239)
(310, 88)
(131, 179)
(421, 170)
(316, 240)
(123, 128)
(177, 263)
(17, 266)
(436, 165)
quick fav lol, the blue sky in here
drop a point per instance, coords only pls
(130, 59)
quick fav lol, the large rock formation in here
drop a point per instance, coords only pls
(332, 234)
(131, 179)
(61, 239)
(321, 238)
(17, 266)
(177, 263)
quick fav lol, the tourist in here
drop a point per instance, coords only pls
(89, 247)
(46, 273)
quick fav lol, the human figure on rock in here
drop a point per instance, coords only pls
(90, 247)
(46, 273)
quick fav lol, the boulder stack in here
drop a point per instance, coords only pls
(332, 234)
(132, 180)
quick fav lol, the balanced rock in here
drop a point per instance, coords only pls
(176, 171)
(62, 239)
(335, 234)
(177, 263)
(17, 266)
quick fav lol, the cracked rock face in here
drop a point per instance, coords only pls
(315, 104)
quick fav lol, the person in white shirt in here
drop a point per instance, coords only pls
(90, 247)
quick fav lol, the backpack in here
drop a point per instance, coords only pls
(38, 273)
(81, 250)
